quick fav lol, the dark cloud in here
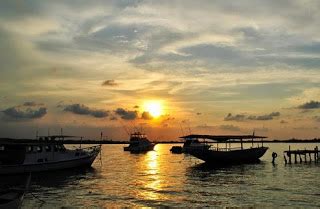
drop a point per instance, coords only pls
(109, 83)
(310, 105)
(126, 114)
(113, 118)
(81, 109)
(242, 117)
(238, 117)
(229, 127)
(32, 104)
(146, 116)
(136, 106)
(199, 113)
(264, 117)
(283, 121)
(28, 113)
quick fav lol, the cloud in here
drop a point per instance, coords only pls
(229, 127)
(136, 106)
(81, 109)
(126, 114)
(264, 117)
(310, 105)
(238, 117)
(146, 116)
(243, 117)
(113, 118)
(109, 83)
(32, 104)
(28, 113)
(283, 121)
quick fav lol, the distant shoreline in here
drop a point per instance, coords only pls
(88, 141)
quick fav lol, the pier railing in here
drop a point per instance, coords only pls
(302, 155)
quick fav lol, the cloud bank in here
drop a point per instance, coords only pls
(81, 109)
(243, 117)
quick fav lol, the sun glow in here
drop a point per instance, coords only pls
(154, 108)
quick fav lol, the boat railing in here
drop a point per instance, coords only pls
(91, 148)
(225, 149)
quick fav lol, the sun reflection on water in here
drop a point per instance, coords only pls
(152, 181)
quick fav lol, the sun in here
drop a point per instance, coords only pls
(154, 108)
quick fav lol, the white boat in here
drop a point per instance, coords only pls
(43, 155)
(189, 144)
(12, 198)
(139, 143)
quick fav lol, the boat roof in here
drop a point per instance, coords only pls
(42, 140)
(222, 138)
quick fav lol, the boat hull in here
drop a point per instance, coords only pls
(48, 166)
(139, 149)
(251, 155)
(16, 202)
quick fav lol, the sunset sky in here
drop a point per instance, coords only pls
(170, 67)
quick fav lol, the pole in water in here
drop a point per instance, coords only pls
(285, 159)
(274, 156)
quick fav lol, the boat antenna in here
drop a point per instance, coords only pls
(181, 129)
(252, 137)
(61, 133)
(189, 128)
(125, 128)
(37, 134)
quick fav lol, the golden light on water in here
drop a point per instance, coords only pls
(152, 170)
(155, 108)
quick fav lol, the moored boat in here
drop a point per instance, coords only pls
(190, 143)
(227, 155)
(45, 154)
(139, 143)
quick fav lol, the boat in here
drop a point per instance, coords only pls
(44, 154)
(139, 143)
(13, 197)
(227, 155)
(190, 143)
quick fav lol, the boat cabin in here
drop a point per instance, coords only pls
(195, 139)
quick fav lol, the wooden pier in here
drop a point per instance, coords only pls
(301, 155)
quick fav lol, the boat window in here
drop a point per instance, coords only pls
(56, 148)
(29, 149)
(39, 149)
(48, 148)
(1, 148)
(40, 160)
(77, 154)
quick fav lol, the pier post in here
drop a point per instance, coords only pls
(285, 159)
(289, 155)
(310, 157)
(295, 158)
(305, 157)
(300, 158)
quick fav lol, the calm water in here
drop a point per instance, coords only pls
(159, 178)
